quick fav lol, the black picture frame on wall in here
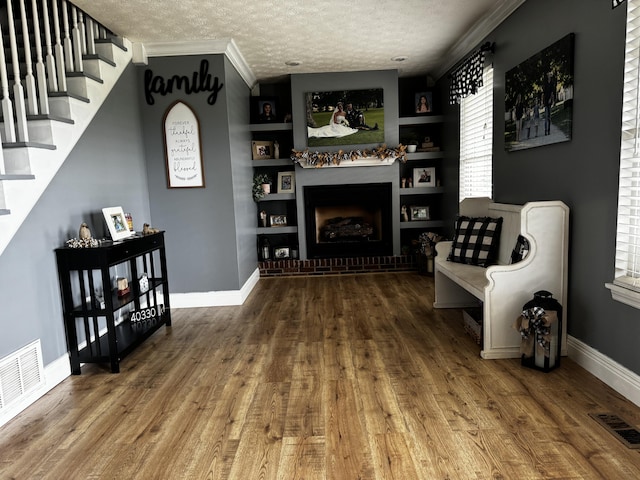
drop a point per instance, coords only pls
(539, 98)
(264, 110)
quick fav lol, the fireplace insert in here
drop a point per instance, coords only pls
(348, 220)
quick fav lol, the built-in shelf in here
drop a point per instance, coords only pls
(421, 191)
(274, 162)
(270, 127)
(276, 230)
(422, 224)
(424, 155)
(278, 196)
(420, 120)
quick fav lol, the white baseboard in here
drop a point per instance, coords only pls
(620, 378)
(215, 299)
(54, 373)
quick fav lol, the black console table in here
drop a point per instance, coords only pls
(101, 325)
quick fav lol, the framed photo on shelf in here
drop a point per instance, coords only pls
(423, 102)
(281, 252)
(286, 182)
(419, 213)
(261, 150)
(264, 110)
(424, 177)
(278, 220)
(116, 222)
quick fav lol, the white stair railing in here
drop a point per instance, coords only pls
(29, 78)
(58, 49)
(18, 91)
(41, 76)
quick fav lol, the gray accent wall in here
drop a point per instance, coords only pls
(210, 244)
(582, 172)
(106, 168)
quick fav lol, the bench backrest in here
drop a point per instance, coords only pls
(511, 223)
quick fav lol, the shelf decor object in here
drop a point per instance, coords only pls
(183, 151)
(379, 156)
(117, 223)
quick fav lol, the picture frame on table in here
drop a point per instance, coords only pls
(278, 220)
(419, 213)
(424, 177)
(264, 110)
(261, 150)
(286, 182)
(280, 253)
(423, 102)
(116, 221)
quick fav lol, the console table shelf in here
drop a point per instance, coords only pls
(102, 326)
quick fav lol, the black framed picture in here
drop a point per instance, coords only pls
(264, 110)
(423, 102)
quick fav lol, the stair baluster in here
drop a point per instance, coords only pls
(29, 78)
(68, 49)
(41, 76)
(58, 49)
(9, 132)
(18, 90)
(76, 35)
(50, 59)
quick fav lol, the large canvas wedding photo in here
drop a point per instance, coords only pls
(347, 117)
(539, 98)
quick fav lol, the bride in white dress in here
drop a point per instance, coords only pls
(338, 126)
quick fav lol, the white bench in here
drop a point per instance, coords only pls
(504, 288)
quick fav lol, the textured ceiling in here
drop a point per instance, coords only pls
(323, 35)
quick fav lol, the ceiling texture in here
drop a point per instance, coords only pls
(417, 37)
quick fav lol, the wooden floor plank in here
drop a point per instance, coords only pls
(321, 378)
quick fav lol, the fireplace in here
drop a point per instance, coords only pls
(348, 220)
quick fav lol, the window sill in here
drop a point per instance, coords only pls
(624, 295)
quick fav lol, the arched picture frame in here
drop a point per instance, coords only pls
(182, 147)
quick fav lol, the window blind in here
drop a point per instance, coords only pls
(627, 259)
(476, 141)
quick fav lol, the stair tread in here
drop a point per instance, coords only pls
(23, 176)
(55, 118)
(46, 146)
(84, 74)
(69, 94)
(97, 56)
(112, 40)
(4, 211)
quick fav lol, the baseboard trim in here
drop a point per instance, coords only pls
(215, 299)
(618, 377)
(54, 373)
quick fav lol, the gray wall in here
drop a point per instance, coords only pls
(583, 172)
(207, 232)
(106, 168)
(326, 82)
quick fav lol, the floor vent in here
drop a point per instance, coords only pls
(20, 374)
(620, 429)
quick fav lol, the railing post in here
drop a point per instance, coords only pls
(18, 91)
(58, 49)
(91, 36)
(41, 76)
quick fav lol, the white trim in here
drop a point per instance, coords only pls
(54, 373)
(215, 299)
(224, 46)
(624, 295)
(621, 379)
(478, 33)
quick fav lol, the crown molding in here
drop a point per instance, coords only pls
(477, 34)
(225, 46)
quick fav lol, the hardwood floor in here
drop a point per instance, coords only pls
(343, 377)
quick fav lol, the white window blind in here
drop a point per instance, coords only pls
(476, 138)
(627, 260)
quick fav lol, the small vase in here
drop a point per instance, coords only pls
(411, 148)
(266, 188)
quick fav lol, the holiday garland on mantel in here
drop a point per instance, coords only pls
(307, 159)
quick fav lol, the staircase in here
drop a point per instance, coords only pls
(57, 66)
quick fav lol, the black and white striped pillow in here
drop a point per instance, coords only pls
(476, 241)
